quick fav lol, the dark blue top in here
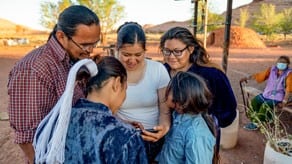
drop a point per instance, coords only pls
(96, 136)
(224, 102)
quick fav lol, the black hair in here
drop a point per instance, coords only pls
(73, 16)
(131, 33)
(190, 92)
(285, 58)
(199, 55)
(108, 67)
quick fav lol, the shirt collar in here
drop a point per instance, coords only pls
(58, 49)
(179, 118)
(81, 103)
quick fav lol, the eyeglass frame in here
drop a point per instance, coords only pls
(180, 52)
(83, 47)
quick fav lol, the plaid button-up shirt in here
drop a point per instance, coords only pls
(35, 84)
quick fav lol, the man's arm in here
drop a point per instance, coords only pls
(28, 150)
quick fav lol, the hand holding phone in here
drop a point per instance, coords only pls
(152, 130)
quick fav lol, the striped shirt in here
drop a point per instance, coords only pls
(34, 86)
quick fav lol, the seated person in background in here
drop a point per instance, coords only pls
(189, 139)
(94, 135)
(278, 90)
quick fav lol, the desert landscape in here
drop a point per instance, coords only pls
(241, 62)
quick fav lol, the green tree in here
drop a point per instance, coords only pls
(286, 22)
(108, 11)
(50, 12)
(267, 21)
(214, 20)
(243, 17)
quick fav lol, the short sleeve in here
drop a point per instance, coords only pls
(163, 76)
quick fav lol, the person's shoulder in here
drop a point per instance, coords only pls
(197, 120)
(212, 65)
(157, 66)
(289, 74)
(207, 71)
(32, 59)
(153, 62)
(198, 125)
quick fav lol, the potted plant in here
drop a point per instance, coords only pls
(278, 148)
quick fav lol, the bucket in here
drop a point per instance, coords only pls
(273, 157)
(229, 134)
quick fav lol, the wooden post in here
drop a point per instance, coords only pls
(227, 35)
(195, 21)
(205, 23)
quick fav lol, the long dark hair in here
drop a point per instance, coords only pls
(131, 33)
(199, 55)
(73, 16)
(190, 91)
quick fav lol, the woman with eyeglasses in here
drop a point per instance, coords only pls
(183, 52)
(144, 106)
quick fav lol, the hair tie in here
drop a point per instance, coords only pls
(50, 137)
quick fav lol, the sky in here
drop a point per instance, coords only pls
(27, 12)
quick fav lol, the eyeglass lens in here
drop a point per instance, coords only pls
(84, 47)
(168, 52)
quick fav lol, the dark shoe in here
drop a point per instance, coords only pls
(250, 126)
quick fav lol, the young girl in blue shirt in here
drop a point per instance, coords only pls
(189, 140)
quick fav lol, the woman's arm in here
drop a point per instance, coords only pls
(164, 119)
(164, 111)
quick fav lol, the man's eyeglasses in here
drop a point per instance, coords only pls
(84, 47)
(167, 52)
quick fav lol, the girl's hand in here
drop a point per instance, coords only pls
(137, 125)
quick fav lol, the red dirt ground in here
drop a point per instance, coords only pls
(250, 145)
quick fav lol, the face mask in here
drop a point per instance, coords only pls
(281, 66)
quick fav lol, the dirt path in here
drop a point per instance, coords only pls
(250, 145)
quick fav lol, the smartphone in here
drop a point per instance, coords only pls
(152, 130)
(149, 130)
